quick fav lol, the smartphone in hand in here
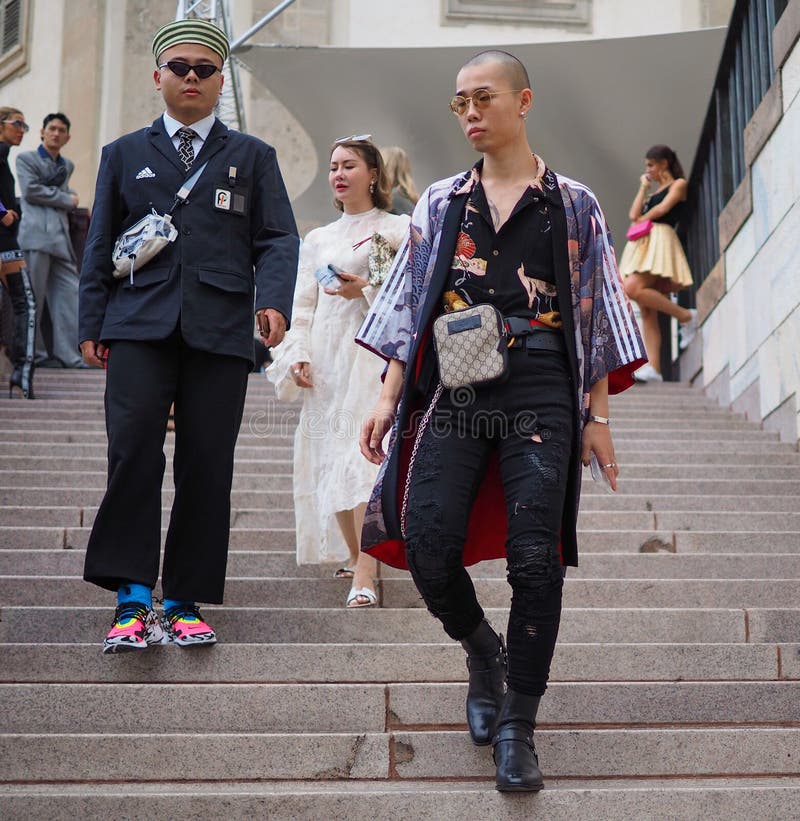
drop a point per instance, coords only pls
(599, 475)
(329, 276)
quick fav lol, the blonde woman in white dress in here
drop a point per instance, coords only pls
(339, 380)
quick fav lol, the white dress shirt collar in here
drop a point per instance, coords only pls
(202, 127)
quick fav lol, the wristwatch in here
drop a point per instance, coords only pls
(603, 420)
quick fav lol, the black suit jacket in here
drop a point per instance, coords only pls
(222, 267)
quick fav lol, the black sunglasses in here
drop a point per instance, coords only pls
(181, 69)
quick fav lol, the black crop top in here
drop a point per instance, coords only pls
(673, 216)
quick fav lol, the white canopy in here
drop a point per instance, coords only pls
(598, 106)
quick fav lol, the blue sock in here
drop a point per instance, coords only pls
(135, 592)
(170, 603)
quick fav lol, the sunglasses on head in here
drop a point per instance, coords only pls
(20, 124)
(354, 138)
(181, 69)
(482, 98)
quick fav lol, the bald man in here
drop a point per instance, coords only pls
(492, 469)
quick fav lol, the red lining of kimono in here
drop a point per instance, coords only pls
(487, 528)
(622, 378)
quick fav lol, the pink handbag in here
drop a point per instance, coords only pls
(639, 230)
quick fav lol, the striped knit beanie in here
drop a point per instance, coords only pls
(193, 30)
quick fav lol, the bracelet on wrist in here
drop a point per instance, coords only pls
(603, 420)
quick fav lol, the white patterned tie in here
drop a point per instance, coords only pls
(185, 149)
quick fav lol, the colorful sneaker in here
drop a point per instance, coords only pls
(185, 626)
(136, 626)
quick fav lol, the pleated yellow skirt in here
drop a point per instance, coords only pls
(659, 253)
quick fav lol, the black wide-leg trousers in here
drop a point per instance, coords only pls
(143, 379)
(529, 422)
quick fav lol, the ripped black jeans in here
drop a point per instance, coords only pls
(529, 421)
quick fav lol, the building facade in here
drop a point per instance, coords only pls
(91, 58)
(748, 353)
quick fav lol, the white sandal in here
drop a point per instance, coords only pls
(364, 593)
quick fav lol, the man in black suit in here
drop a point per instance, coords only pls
(180, 330)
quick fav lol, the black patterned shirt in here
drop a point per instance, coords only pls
(511, 268)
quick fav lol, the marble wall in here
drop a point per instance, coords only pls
(751, 339)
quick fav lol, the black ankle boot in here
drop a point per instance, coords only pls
(22, 345)
(486, 662)
(512, 746)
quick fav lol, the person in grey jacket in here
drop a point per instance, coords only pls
(43, 177)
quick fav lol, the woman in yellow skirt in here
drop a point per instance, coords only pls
(654, 265)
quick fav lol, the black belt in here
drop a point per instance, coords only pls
(541, 341)
(525, 335)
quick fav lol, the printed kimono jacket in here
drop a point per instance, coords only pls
(600, 331)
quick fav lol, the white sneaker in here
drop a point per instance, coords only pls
(647, 373)
(688, 329)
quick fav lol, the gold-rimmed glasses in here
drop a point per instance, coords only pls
(482, 98)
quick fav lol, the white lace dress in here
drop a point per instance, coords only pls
(330, 474)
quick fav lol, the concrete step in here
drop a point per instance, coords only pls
(591, 500)
(603, 541)
(282, 564)
(630, 453)
(33, 623)
(88, 497)
(78, 480)
(739, 798)
(269, 480)
(612, 753)
(342, 663)
(65, 390)
(364, 707)
(592, 753)
(263, 519)
(20, 590)
(94, 444)
(265, 412)
(75, 429)
(266, 418)
(56, 464)
(742, 542)
(95, 441)
(274, 517)
(11, 516)
(661, 504)
(248, 468)
(55, 538)
(251, 448)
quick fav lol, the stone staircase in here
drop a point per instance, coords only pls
(676, 683)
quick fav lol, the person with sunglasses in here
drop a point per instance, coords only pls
(179, 329)
(338, 382)
(14, 272)
(493, 470)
